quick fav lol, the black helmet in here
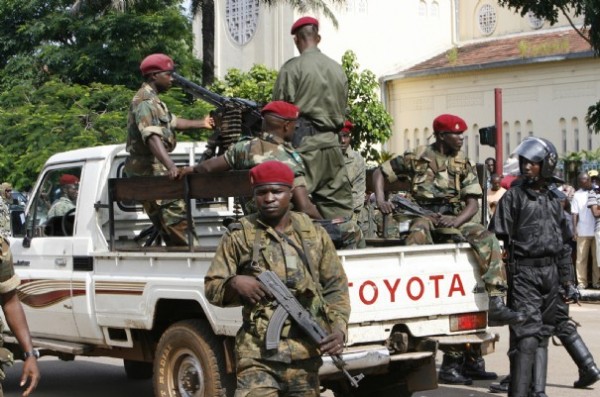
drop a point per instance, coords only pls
(538, 150)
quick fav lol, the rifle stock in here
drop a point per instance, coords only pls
(289, 306)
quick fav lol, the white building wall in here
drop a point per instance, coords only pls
(549, 100)
(386, 35)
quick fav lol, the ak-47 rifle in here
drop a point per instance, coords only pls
(234, 117)
(408, 206)
(288, 305)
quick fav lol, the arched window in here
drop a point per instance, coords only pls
(487, 19)
(575, 126)
(435, 9)
(518, 131)
(242, 19)
(506, 129)
(422, 8)
(529, 128)
(563, 130)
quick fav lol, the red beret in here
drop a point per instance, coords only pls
(347, 126)
(303, 22)
(271, 172)
(283, 109)
(156, 63)
(68, 179)
(449, 123)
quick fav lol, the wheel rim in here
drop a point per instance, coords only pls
(187, 374)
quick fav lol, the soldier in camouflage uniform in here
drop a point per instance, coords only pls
(69, 185)
(15, 317)
(444, 181)
(357, 174)
(5, 192)
(303, 255)
(150, 139)
(279, 120)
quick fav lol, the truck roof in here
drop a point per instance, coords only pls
(99, 152)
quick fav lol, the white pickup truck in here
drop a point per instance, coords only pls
(90, 287)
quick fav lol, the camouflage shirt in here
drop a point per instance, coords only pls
(5, 230)
(435, 177)
(148, 116)
(61, 207)
(249, 152)
(357, 174)
(328, 301)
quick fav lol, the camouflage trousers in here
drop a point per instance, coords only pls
(484, 243)
(262, 378)
(169, 217)
(344, 232)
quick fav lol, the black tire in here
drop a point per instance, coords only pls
(137, 369)
(190, 362)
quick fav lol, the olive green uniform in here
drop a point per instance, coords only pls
(9, 281)
(252, 247)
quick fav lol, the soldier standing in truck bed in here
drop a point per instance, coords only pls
(319, 87)
(150, 139)
(444, 181)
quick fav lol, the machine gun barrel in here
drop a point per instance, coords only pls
(288, 305)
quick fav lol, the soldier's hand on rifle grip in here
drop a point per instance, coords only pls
(385, 206)
(333, 343)
(249, 289)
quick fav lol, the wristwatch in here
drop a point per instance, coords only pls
(34, 353)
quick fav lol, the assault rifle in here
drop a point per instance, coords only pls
(288, 305)
(251, 117)
(408, 206)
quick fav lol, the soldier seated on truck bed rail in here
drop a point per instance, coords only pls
(444, 181)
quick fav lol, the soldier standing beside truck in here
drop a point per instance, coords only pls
(150, 138)
(304, 257)
(444, 181)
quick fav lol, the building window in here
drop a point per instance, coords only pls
(242, 19)
(362, 6)
(534, 21)
(589, 139)
(563, 130)
(422, 9)
(487, 19)
(575, 125)
(506, 129)
(518, 131)
(435, 9)
(529, 128)
(477, 146)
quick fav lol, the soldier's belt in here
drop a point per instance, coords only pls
(536, 262)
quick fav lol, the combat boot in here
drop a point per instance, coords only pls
(588, 371)
(450, 371)
(502, 386)
(540, 370)
(521, 367)
(474, 366)
(499, 314)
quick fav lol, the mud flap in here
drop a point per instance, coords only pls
(423, 376)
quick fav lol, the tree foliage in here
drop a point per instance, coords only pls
(372, 123)
(590, 31)
(42, 39)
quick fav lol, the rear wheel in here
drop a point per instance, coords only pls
(137, 369)
(189, 362)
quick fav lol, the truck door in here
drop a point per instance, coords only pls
(43, 257)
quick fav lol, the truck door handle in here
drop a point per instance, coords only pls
(60, 262)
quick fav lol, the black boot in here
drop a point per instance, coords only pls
(474, 365)
(521, 367)
(450, 371)
(540, 370)
(588, 371)
(502, 386)
(499, 314)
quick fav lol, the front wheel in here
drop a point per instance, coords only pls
(190, 362)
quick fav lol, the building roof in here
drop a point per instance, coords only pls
(548, 46)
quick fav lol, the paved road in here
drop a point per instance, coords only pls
(106, 377)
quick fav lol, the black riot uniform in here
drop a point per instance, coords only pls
(530, 220)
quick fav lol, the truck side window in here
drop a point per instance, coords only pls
(52, 212)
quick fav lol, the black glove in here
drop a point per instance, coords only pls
(570, 293)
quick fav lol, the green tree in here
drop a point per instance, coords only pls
(590, 30)
(372, 123)
(90, 42)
